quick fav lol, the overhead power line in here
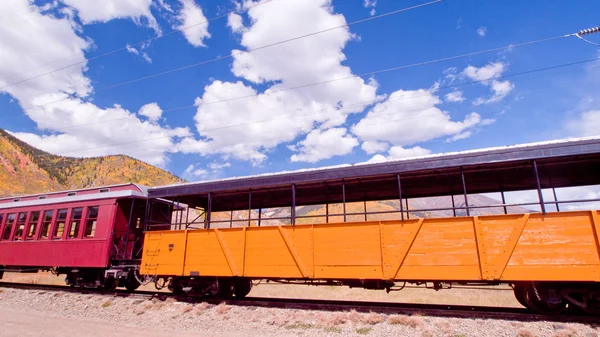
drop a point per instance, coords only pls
(588, 32)
(250, 50)
(334, 109)
(126, 47)
(345, 106)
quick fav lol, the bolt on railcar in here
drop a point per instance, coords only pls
(93, 236)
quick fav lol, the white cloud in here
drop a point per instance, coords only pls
(44, 39)
(98, 130)
(105, 10)
(190, 15)
(320, 145)
(370, 4)
(482, 31)
(374, 147)
(486, 72)
(25, 31)
(487, 75)
(455, 96)
(459, 136)
(217, 166)
(235, 23)
(152, 111)
(500, 88)
(257, 124)
(587, 124)
(409, 117)
(192, 171)
(134, 51)
(398, 152)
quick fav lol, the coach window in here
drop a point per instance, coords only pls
(1, 222)
(47, 221)
(75, 222)
(61, 219)
(90, 222)
(20, 226)
(33, 223)
(10, 220)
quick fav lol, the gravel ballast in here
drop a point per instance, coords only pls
(210, 320)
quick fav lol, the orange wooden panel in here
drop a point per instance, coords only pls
(163, 253)
(555, 246)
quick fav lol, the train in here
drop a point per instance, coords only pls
(217, 238)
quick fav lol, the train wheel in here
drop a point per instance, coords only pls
(538, 300)
(519, 290)
(242, 288)
(175, 286)
(110, 284)
(131, 283)
(225, 288)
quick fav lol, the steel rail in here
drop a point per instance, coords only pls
(436, 310)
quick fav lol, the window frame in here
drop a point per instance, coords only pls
(22, 236)
(3, 217)
(50, 226)
(36, 224)
(87, 218)
(55, 224)
(10, 233)
(70, 223)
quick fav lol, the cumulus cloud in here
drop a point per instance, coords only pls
(408, 117)
(586, 124)
(398, 152)
(193, 23)
(152, 111)
(487, 75)
(482, 31)
(235, 23)
(80, 128)
(374, 147)
(320, 144)
(454, 97)
(106, 10)
(264, 119)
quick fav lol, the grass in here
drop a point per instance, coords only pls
(106, 304)
(300, 326)
(363, 331)
(332, 329)
(411, 321)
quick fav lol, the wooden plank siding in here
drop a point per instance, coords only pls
(517, 247)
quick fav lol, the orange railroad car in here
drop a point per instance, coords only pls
(550, 257)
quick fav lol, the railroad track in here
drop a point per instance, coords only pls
(457, 311)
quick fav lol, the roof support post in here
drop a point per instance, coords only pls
(124, 256)
(400, 197)
(503, 202)
(462, 175)
(344, 197)
(539, 188)
(293, 210)
(555, 199)
(208, 211)
(407, 212)
(250, 207)
(146, 212)
(259, 216)
(453, 205)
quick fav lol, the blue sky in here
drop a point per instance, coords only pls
(240, 115)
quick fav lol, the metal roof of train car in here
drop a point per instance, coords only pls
(571, 162)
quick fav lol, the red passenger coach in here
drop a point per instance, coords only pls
(93, 236)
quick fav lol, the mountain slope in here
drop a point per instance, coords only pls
(25, 169)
